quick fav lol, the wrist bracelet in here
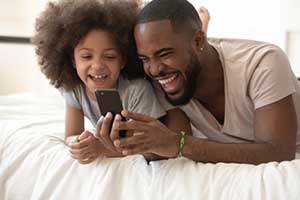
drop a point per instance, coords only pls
(181, 143)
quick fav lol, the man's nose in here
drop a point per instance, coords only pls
(156, 67)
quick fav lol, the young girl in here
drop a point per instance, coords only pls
(84, 45)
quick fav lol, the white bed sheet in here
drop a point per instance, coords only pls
(34, 164)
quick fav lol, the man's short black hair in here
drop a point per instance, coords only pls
(182, 15)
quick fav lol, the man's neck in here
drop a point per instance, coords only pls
(211, 78)
(210, 90)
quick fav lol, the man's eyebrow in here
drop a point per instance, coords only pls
(157, 53)
(162, 50)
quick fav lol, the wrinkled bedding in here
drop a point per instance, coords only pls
(35, 164)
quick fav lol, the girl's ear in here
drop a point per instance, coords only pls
(123, 62)
(73, 61)
(198, 41)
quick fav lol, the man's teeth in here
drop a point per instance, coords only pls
(168, 80)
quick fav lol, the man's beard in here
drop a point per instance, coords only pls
(190, 84)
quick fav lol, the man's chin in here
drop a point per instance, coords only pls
(178, 99)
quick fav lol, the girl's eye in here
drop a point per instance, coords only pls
(86, 57)
(110, 57)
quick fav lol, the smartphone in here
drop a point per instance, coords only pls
(109, 101)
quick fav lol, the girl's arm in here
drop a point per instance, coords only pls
(74, 124)
(77, 138)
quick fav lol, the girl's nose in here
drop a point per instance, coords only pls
(97, 64)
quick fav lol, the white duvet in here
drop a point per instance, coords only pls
(34, 164)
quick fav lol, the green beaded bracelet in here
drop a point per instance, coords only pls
(181, 143)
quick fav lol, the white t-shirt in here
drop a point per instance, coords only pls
(256, 74)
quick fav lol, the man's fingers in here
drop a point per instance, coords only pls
(136, 116)
(98, 127)
(104, 132)
(132, 125)
(137, 149)
(114, 134)
(125, 143)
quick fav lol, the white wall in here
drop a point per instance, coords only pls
(273, 21)
(19, 70)
(252, 19)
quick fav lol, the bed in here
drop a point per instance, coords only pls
(35, 164)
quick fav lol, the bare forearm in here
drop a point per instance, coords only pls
(252, 153)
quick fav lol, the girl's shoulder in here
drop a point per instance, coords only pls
(138, 84)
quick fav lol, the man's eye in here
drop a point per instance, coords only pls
(144, 60)
(164, 54)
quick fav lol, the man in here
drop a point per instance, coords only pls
(241, 96)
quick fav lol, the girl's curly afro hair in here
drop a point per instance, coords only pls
(64, 23)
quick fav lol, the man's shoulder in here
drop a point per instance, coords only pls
(239, 50)
(232, 43)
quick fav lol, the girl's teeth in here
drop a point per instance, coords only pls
(99, 76)
(168, 80)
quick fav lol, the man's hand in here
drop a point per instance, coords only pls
(149, 136)
(103, 134)
(102, 131)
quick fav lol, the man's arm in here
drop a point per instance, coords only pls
(177, 121)
(275, 139)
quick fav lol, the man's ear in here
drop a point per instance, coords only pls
(198, 40)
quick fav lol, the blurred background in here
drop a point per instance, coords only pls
(273, 21)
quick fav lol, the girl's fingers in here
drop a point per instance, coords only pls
(88, 160)
(79, 151)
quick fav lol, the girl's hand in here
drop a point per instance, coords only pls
(87, 148)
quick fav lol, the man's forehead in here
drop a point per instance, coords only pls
(158, 26)
(151, 37)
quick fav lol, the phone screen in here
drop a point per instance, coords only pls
(109, 101)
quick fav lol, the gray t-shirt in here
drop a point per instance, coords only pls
(137, 96)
